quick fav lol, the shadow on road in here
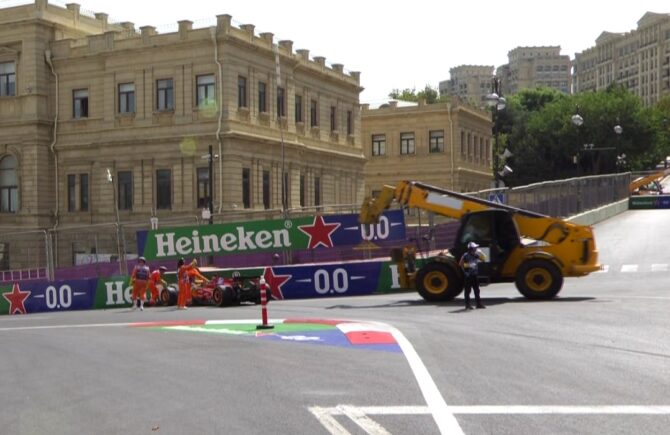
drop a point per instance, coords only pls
(488, 302)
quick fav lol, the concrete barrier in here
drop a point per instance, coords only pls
(600, 214)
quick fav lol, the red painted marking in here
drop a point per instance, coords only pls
(370, 337)
(168, 323)
(317, 321)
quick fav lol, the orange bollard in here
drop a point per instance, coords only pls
(264, 303)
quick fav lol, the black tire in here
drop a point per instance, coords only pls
(539, 279)
(438, 281)
(168, 296)
(217, 296)
(229, 297)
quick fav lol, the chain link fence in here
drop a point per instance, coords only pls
(108, 249)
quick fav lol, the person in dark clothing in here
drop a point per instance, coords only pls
(469, 261)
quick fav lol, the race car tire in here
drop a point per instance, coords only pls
(217, 296)
(229, 297)
(168, 296)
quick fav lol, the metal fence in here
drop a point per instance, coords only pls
(105, 249)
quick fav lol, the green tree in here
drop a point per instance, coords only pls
(429, 94)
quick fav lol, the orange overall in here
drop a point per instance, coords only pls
(193, 273)
(154, 279)
(184, 280)
(139, 278)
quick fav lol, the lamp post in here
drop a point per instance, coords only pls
(578, 121)
(620, 158)
(497, 103)
(122, 261)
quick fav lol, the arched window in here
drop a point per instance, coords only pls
(9, 185)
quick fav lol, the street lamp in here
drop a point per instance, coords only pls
(208, 213)
(578, 121)
(497, 103)
(620, 158)
(122, 261)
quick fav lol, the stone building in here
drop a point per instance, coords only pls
(469, 83)
(448, 145)
(532, 67)
(639, 60)
(103, 123)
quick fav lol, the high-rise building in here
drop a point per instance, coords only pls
(532, 67)
(639, 60)
(103, 123)
(470, 83)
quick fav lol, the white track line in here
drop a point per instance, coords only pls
(441, 412)
(502, 409)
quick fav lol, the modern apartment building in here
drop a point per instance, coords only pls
(469, 83)
(101, 122)
(446, 145)
(639, 60)
(532, 67)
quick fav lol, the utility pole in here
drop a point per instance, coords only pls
(211, 186)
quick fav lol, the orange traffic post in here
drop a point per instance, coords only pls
(264, 305)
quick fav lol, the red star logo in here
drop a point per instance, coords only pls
(275, 282)
(319, 232)
(16, 299)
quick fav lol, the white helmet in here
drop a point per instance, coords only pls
(473, 245)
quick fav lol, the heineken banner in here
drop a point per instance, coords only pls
(285, 282)
(313, 232)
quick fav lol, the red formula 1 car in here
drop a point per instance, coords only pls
(218, 291)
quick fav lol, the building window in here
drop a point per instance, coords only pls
(71, 192)
(317, 191)
(241, 91)
(281, 105)
(378, 144)
(469, 145)
(83, 192)
(462, 144)
(298, 108)
(80, 103)
(436, 141)
(203, 187)
(313, 120)
(4, 256)
(164, 95)
(350, 122)
(7, 79)
(125, 189)
(9, 190)
(246, 187)
(205, 88)
(163, 189)
(266, 189)
(262, 97)
(333, 118)
(302, 190)
(406, 143)
(127, 98)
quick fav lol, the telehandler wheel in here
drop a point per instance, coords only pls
(438, 282)
(539, 279)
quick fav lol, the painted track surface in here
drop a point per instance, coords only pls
(593, 361)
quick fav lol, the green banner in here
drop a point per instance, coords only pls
(220, 239)
(112, 292)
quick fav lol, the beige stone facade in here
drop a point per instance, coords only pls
(639, 60)
(90, 96)
(470, 83)
(447, 145)
(532, 67)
